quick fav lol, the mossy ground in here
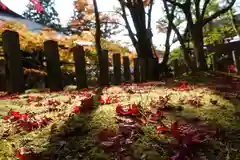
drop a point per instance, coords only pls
(81, 143)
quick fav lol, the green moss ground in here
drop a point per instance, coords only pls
(81, 143)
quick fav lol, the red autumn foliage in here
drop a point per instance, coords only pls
(26, 121)
(232, 68)
(76, 109)
(2, 5)
(38, 6)
(34, 98)
(183, 86)
(152, 117)
(160, 129)
(109, 140)
(53, 102)
(19, 155)
(132, 109)
(9, 97)
(187, 136)
(87, 103)
(108, 100)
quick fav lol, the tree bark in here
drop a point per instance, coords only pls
(167, 46)
(98, 29)
(143, 43)
(187, 60)
(196, 28)
(128, 27)
(197, 38)
(184, 49)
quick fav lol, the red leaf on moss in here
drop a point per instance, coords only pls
(134, 109)
(154, 118)
(160, 129)
(158, 114)
(19, 155)
(101, 101)
(6, 118)
(108, 100)
(25, 116)
(76, 109)
(131, 110)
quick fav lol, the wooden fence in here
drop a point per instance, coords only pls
(15, 76)
(221, 56)
(230, 52)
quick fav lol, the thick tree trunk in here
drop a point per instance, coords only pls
(144, 40)
(144, 45)
(197, 38)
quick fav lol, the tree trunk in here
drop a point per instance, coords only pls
(197, 38)
(144, 45)
(98, 29)
(144, 40)
(182, 40)
(167, 45)
(187, 60)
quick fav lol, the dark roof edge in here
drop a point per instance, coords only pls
(5, 9)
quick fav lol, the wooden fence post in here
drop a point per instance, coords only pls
(136, 70)
(117, 68)
(54, 76)
(80, 67)
(236, 60)
(14, 69)
(2, 75)
(126, 67)
(143, 70)
(104, 70)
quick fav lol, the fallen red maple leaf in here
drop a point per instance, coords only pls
(19, 155)
(76, 109)
(131, 110)
(160, 129)
(6, 118)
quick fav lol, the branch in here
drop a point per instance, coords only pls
(197, 7)
(180, 5)
(174, 36)
(124, 16)
(111, 22)
(150, 14)
(218, 13)
(98, 29)
(204, 8)
(187, 11)
(116, 12)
